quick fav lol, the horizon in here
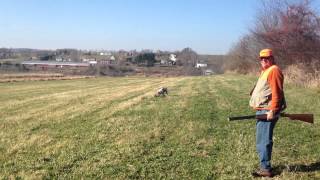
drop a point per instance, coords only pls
(205, 26)
(106, 50)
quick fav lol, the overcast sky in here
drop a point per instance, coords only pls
(207, 26)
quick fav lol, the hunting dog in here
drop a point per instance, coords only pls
(163, 91)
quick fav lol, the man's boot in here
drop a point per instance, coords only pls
(263, 173)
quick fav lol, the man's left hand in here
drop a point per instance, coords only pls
(270, 115)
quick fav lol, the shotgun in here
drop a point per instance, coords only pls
(300, 117)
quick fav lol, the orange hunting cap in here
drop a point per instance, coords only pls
(265, 53)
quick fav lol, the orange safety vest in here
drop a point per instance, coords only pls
(268, 92)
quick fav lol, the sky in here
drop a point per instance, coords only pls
(206, 26)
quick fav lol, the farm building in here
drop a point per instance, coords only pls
(200, 65)
(54, 64)
(71, 68)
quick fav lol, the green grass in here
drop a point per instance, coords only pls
(115, 128)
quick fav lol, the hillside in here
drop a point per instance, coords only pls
(114, 128)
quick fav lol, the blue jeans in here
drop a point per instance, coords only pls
(264, 141)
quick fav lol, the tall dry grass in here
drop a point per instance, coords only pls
(30, 75)
(18, 77)
(299, 75)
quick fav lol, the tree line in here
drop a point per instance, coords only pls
(290, 27)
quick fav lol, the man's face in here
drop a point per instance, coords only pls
(265, 62)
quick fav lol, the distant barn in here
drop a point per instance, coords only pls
(54, 64)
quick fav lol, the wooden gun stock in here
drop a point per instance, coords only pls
(300, 117)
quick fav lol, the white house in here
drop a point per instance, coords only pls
(200, 65)
(163, 61)
(88, 59)
(92, 62)
(112, 58)
(104, 53)
(59, 59)
(173, 57)
(208, 72)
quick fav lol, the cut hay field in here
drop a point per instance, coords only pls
(113, 128)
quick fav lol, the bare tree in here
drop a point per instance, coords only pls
(290, 28)
(242, 57)
(187, 57)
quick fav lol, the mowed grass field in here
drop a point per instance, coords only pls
(113, 128)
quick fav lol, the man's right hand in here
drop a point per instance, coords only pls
(270, 115)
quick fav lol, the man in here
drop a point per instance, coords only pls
(267, 97)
